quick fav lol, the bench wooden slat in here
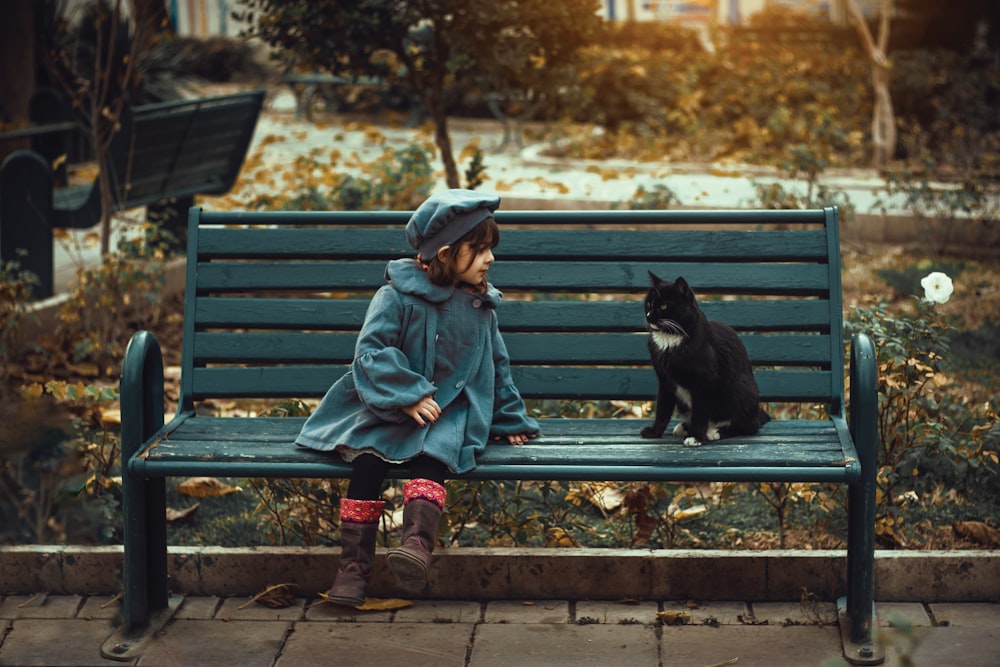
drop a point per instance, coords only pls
(520, 244)
(552, 348)
(237, 445)
(571, 382)
(573, 277)
(619, 315)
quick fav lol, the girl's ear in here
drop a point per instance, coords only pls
(442, 254)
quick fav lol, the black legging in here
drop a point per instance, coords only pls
(369, 474)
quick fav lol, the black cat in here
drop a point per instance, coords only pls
(702, 368)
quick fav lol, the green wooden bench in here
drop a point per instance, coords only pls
(274, 302)
(166, 151)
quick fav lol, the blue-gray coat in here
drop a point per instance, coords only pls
(421, 339)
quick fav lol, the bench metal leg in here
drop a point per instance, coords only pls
(147, 605)
(858, 624)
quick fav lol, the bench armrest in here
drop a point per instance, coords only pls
(141, 393)
(864, 399)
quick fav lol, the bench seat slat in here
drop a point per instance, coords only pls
(245, 447)
(618, 315)
(572, 276)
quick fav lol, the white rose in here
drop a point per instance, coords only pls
(937, 287)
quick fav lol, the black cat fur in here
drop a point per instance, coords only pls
(702, 369)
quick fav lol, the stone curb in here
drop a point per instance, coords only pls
(529, 573)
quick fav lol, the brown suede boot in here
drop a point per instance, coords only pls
(358, 530)
(423, 501)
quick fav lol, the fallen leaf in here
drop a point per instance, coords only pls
(978, 532)
(604, 495)
(111, 417)
(372, 604)
(671, 617)
(179, 515)
(277, 596)
(203, 487)
(384, 604)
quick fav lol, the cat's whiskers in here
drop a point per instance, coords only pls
(669, 326)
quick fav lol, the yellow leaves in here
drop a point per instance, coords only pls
(204, 487)
(76, 392)
(33, 391)
(891, 528)
(375, 136)
(560, 538)
(673, 617)
(111, 417)
(606, 174)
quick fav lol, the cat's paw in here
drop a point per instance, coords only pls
(712, 434)
(681, 430)
(691, 441)
(651, 431)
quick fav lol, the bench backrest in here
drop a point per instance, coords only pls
(180, 149)
(274, 301)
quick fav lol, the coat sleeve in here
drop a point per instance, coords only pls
(382, 374)
(510, 416)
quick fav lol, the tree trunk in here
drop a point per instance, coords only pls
(434, 102)
(883, 115)
(108, 102)
(17, 67)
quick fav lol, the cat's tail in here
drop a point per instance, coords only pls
(762, 416)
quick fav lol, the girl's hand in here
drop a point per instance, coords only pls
(519, 438)
(424, 411)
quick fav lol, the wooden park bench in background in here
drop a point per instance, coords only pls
(261, 322)
(163, 156)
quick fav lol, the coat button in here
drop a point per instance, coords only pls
(477, 303)
(458, 385)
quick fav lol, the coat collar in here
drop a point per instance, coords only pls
(408, 277)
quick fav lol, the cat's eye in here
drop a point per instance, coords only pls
(663, 306)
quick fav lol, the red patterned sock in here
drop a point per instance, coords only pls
(424, 489)
(360, 511)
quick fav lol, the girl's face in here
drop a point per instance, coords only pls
(472, 263)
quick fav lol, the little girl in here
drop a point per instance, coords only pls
(429, 385)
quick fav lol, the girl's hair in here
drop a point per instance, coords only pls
(444, 272)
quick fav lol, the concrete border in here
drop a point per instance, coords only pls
(528, 573)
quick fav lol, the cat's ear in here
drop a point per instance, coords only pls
(654, 280)
(681, 286)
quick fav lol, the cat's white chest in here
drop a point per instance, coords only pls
(666, 341)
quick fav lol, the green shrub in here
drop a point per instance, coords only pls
(922, 426)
